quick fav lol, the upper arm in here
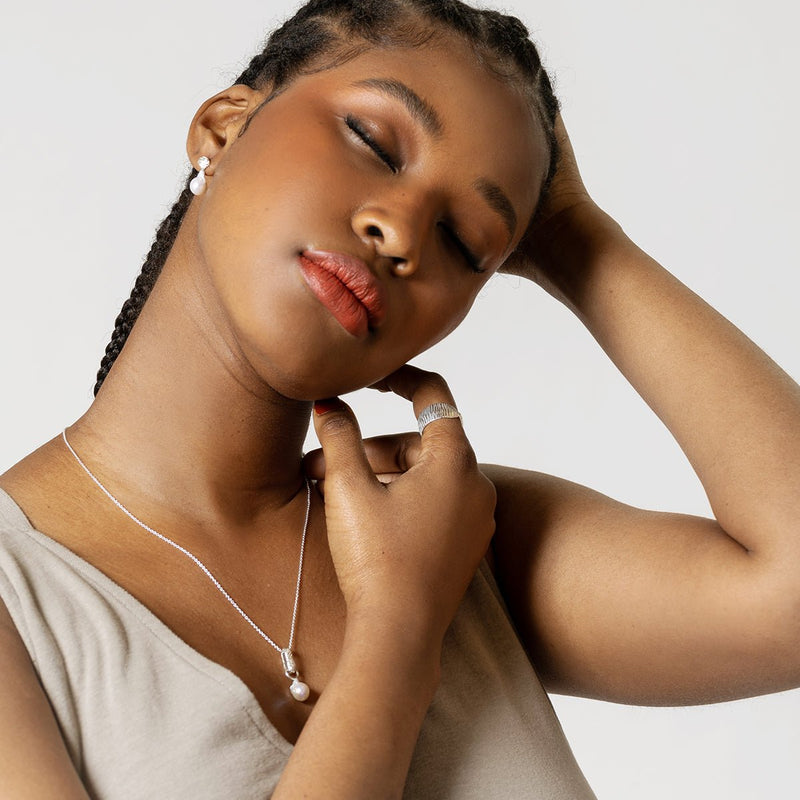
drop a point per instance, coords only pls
(637, 606)
(34, 762)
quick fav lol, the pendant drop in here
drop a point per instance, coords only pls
(298, 689)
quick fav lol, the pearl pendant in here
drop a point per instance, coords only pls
(299, 690)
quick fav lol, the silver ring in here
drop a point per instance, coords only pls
(437, 411)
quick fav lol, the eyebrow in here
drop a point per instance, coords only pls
(498, 200)
(420, 109)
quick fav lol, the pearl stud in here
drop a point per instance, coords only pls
(198, 184)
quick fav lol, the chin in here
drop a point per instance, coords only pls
(315, 363)
(309, 382)
(316, 390)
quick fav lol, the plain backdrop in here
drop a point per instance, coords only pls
(685, 121)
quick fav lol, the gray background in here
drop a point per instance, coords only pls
(684, 117)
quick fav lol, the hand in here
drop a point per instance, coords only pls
(405, 550)
(389, 456)
(568, 213)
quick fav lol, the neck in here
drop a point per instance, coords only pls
(182, 419)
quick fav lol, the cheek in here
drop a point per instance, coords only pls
(268, 193)
(451, 321)
(269, 198)
(263, 205)
(433, 320)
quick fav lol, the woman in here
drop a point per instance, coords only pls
(206, 409)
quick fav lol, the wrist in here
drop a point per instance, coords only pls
(562, 254)
(360, 737)
(406, 648)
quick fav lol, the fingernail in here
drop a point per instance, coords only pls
(324, 406)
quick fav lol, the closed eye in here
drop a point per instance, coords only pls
(358, 129)
(472, 260)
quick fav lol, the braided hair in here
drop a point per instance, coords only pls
(339, 30)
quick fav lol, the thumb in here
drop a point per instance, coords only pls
(343, 450)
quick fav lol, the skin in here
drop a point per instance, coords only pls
(208, 405)
(635, 606)
(199, 427)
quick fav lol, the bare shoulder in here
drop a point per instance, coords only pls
(36, 464)
(534, 510)
(532, 504)
(32, 482)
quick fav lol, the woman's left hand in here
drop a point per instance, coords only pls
(419, 539)
(404, 554)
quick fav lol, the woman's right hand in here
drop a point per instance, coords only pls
(404, 550)
(568, 221)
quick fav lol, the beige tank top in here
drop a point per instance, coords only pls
(145, 716)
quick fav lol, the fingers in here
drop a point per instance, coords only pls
(392, 454)
(343, 456)
(561, 132)
(314, 465)
(417, 385)
(388, 456)
(423, 389)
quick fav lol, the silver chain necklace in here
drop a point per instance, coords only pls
(298, 689)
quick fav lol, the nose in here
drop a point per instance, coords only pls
(393, 235)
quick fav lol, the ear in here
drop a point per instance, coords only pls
(218, 122)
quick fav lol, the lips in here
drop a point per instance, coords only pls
(346, 287)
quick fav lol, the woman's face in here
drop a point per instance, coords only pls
(354, 222)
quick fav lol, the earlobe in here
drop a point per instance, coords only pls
(218, 121)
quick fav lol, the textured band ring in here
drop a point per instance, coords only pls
(437, 411)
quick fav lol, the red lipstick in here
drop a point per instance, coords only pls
(346, 287)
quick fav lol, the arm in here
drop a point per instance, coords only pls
(361, 735)
(34, 762)
(643, 607)
(404, 554)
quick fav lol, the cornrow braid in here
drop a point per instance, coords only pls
(340, 30)
(157, 255)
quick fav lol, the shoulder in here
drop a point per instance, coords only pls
(42, 489)
(38, 760)
(532, 502)
(30, 477)
(539, 519)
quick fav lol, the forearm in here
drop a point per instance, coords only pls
(359, 740)
(733, 411)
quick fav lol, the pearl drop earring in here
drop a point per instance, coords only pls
(198, 184)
